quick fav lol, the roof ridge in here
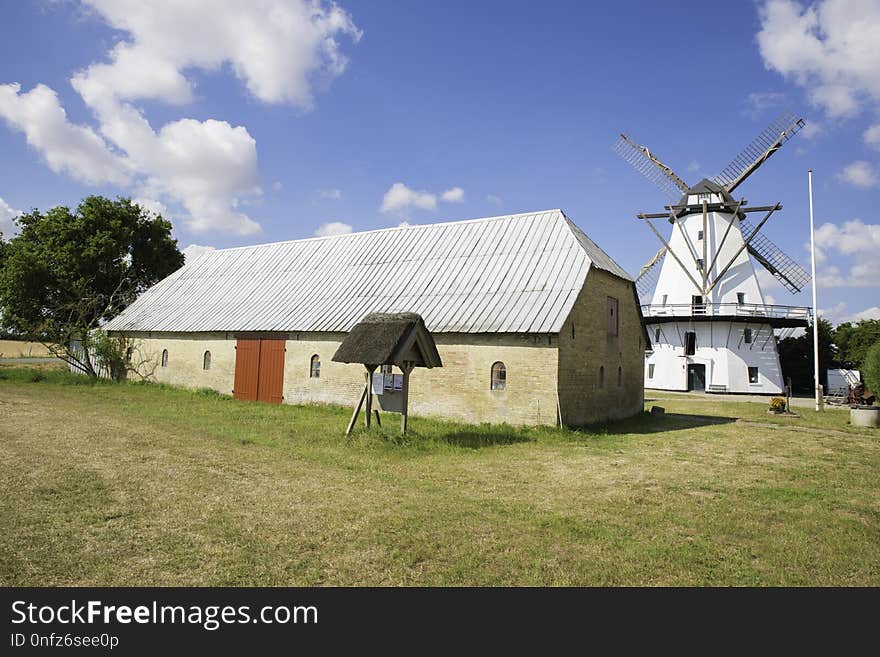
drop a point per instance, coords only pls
(389, 228)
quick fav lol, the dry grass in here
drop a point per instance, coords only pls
(142, 485)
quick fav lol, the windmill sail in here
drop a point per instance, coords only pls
(787, 271)
(757, 152)
(647, 278)
(650, 166)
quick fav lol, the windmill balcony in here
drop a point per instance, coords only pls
(749, 313)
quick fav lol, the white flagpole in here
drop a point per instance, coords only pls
(815, 307)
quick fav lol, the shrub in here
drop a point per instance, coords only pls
(871, 369)
(777, 404)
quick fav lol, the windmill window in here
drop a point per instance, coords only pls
(747, 336)
(315, 367)
(206, 361)
(663, 302)
(690, 343)
(753, 375)
(499, 376)
(700, 264)
(601, 376)
(619, 376)
(699, 235)
(697, 305)
(651, 370)
(740, 298)
(164, 358)
(611, 316)
(656, 335)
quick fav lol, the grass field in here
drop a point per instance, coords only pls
(131, 484)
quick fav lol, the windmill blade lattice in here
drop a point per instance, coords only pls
(762, 147)
(647, 278)
(787, 271)
(647, 164)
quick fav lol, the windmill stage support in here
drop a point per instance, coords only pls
(724, 237)
(745, 244)
(672, 253)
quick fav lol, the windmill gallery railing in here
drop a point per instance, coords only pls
(739, 311)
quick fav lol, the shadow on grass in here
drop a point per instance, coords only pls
(480, 439)
(646, 423)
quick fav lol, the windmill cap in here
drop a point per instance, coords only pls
(706, 186)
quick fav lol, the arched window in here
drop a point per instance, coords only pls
(206, 361)
(601, 376)
(499, 376)
(164, 358)
(128, 353)
(315, 367)
(619, 376)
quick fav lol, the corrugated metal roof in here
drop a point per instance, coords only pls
(511, 274)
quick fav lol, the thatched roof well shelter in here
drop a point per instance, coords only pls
(389, 339)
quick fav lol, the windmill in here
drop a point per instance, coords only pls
(710, 325)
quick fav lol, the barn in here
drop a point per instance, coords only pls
(534, 323)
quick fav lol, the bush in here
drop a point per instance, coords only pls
(777, 404)
(871, 370)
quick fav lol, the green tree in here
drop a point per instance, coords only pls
(67, 272)
(796, 357)
(871, 369)
(854, 340)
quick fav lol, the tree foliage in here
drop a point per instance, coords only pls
(796, 357)
(871, 369)
(67, 271)
(854, 340)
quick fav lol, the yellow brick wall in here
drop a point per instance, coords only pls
(185, 358)
(582, 399)
(17, 349)
(459, 390)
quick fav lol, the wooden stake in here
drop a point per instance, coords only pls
(407, 368)
(357, 410)
(369, 408)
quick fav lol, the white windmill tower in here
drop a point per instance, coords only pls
(710, 326)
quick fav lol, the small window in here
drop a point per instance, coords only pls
(697, 305)
(601, 376)
(619, 376)
(164, 358)
(699, 235)
(753, 375)
(656, 335)
(611, 316)
(690, 343)
(650, 370)
(663, 302)
(315, 367)
(499, 376)
(206, 361)
(128, 353)
(747, 336)
(700, 264)
(740, 298)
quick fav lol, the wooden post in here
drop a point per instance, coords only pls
(407, 368)
(369, 408)
(376, 413)
(357, 410)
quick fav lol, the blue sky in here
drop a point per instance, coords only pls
(276, 119)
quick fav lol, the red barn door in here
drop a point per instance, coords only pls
(259, 369)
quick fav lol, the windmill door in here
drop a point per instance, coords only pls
(697, 378)
(259, 369)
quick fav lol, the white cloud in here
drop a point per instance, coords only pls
(494, 200)
(871, 136)
(279, 49)
(858, 241)
(860, 174)
(400, 198)
(694, 166)
(277, 186)
(194, 251)
(74, 150)
(767, 281)
(828, 47)
(330, 194)
(332, 228)
(757, 102)
(840, 314)
(811, 129)
(454, 195)
(7, 228)
(153, 206)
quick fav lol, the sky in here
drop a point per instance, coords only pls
(270, 120)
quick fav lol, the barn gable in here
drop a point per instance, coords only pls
(511, 274)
